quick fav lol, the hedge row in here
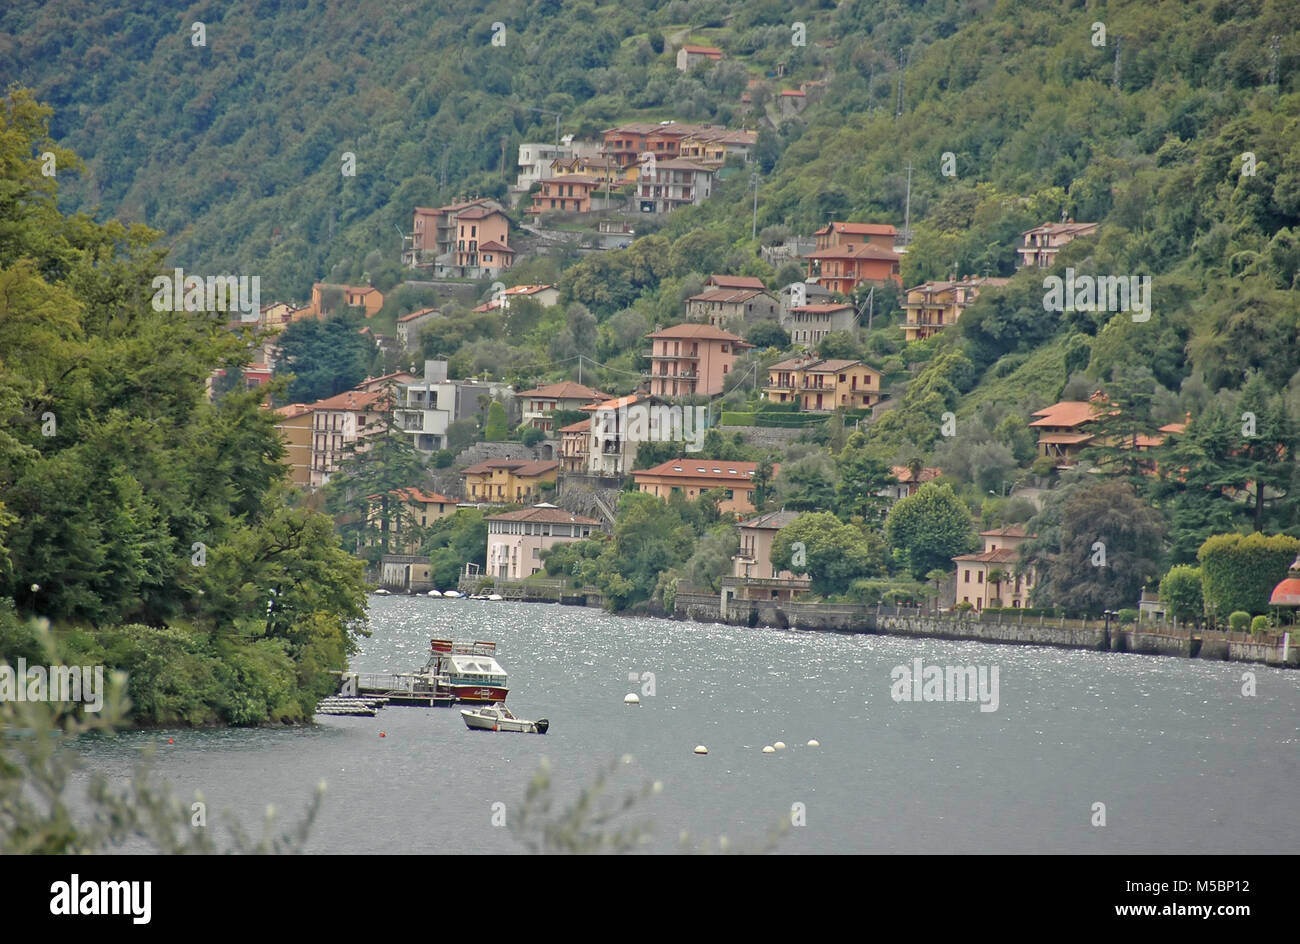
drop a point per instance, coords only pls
(785, 420)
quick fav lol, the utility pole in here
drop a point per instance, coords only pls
(1273, 70)
(1115, 77)
(753, 229)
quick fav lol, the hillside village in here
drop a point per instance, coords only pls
(681, 302)
(776, 367)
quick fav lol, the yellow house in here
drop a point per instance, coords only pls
(820, 385)
(990, 577)
(508, 481)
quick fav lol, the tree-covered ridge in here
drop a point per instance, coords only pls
(151, 524)
(234, 148)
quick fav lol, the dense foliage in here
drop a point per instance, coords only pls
(152, 525)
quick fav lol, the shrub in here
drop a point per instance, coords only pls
(1043, 466)
(443, 458)
(1239, 620)
(1259, 624)
(1127, 616)
(1180, 591)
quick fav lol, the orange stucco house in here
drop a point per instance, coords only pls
(691, 358)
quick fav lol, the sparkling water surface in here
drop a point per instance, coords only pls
(1182, 760)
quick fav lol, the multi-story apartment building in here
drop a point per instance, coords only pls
(666, 185)
(612, 438)
(575, 440)
(341, 423)
(848, 254)
(516, 539)
(808, 324)
(818, 385)
(540, 402)
(296, 427)
(691, 358)
(468, 239)
(508, 481)
(932, 306)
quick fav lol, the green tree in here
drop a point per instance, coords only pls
(929, 528)
(364, 495)
(1097, 546)
(1239, 572)
(496, 429)
(1180, 592)
(861, 477)
(834, 554)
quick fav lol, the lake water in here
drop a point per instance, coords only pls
(1182, 760)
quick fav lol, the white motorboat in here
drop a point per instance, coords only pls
(497, 717)
(454, 594)
(434, 593)
(494, 597)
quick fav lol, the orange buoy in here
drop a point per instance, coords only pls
(382, 734)
(170, 741)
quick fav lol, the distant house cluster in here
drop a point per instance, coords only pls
(469, 239)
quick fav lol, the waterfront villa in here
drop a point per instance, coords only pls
(753, 576)
(992, 577)
(516, 539)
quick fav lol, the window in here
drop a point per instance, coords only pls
(967, 580)
(979, 576)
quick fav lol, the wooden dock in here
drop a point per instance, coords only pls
(411, 689)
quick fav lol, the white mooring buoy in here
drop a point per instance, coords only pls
(701, 749)
(779, 745)
(814, 743)
(769, 749)
(631, 698)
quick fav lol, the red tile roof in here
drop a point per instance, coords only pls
(568, 390)
(544, 514)
(521, 467)
(1066, 413)
(858, 229)
(704, 469)
(737, 281)
(417, 314)
(700, 332)
(354, 400)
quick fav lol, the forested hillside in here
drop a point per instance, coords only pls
(234, 148)
(1174, 126)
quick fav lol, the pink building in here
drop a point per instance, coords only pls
(691, 358)
(516, 539)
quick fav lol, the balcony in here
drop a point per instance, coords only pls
(670, 357)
